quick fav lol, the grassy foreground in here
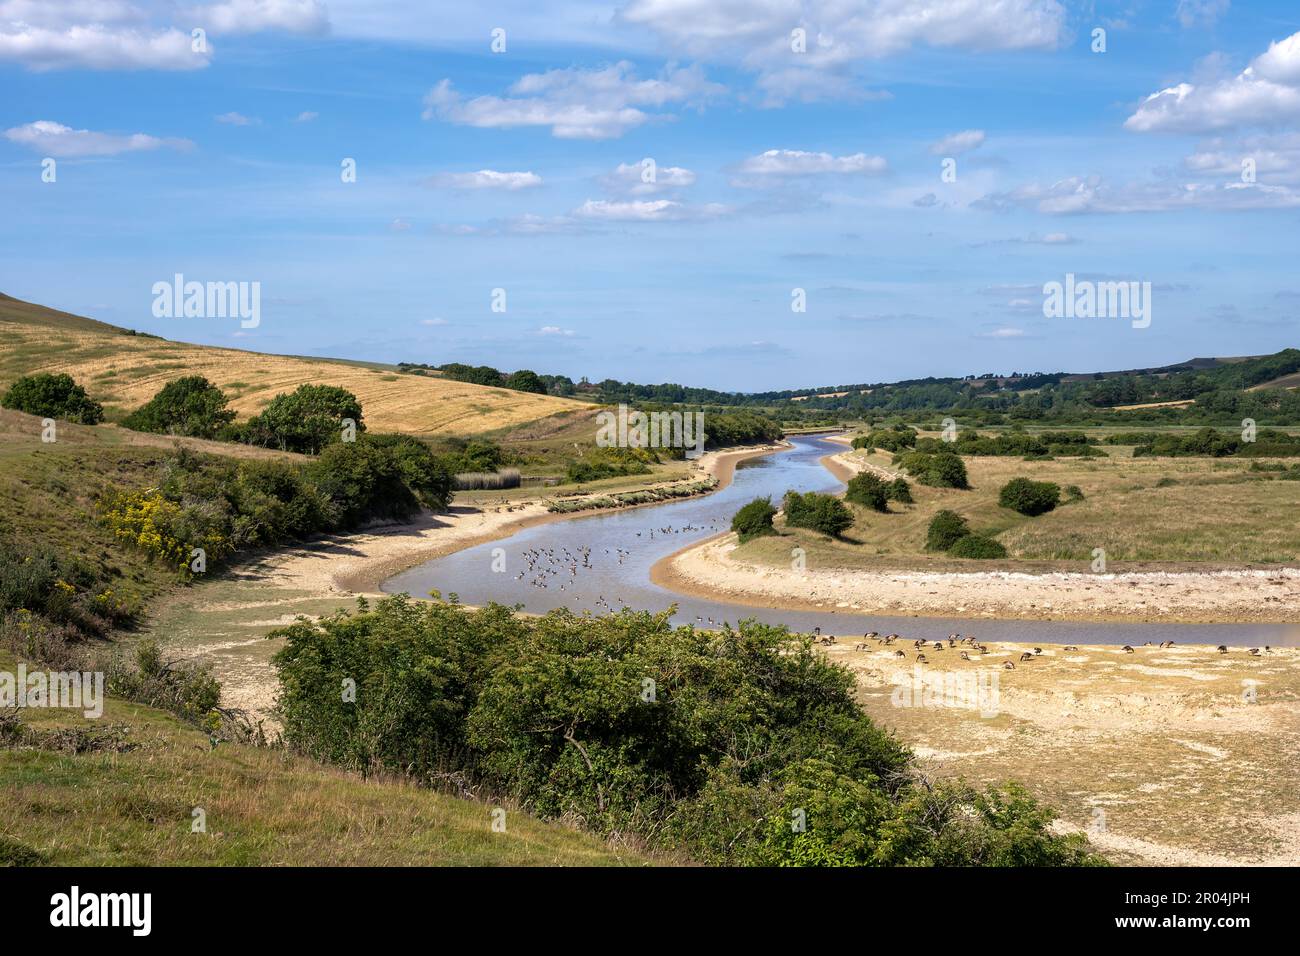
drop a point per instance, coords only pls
(263, 807)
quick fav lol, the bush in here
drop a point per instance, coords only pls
(1073, 493)
(1030, 497)
(900, 491)
(386, 477)
(306, 420)
(745, 726)
(610, 463)
(946, 529)
(190, 406)
(818, 512)
(53, 396)
(938, 470)
(754, 519)
(977, 546)
(867, 489)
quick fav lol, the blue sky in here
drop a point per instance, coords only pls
(775, 170)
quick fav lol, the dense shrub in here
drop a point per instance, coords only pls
(895, 439)
(698, 740)
(818, 512)
(53, 396)
(1030, 497)
(611, 462)
(946, 528)
(939, 470)
(754, 519)
(900, 491)
(190, 406)
(305, 420)
(387, 477)
(977, 546)
(869, 490)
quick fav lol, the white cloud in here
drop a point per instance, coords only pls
(98, 47)
(647, 210)
(487, 179)
(1266, 93)
(786, 163)
(1092, 194)
(1276, 158)
(602, 103)
(237, 119)
(1202, 13)
(554, 330)
(642, 179)
(958, 143)
(254, 16)
(306, 116)
(1005, 332)
(839, 34)
(55, 139)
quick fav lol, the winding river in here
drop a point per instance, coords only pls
(537, 570)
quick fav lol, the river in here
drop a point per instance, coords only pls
(535, 568)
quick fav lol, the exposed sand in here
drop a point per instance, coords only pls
(710, 570)
(1165, 756)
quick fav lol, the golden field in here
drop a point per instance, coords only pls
(123, 370)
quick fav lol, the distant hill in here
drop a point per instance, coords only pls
(123, 369)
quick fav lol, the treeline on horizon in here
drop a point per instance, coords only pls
(1217, 394)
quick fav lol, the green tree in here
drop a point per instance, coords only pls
(53, 395)
(1030, 497)
(818, 512)
(305, 420)
(190, 406)
(867, 489)
(754, 519)
(526, 380)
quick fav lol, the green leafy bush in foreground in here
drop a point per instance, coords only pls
(716, 742)
(53, 396)
(754, 519)
(941, 470)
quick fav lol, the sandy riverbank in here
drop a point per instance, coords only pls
(711, 570)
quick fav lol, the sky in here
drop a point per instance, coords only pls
(750, 195)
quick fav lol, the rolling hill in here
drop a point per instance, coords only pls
(124, 369)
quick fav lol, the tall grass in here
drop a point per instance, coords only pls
(486, 480)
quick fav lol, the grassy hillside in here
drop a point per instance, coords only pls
(123, 370)
(121, 791)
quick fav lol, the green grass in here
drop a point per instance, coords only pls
(263, 807)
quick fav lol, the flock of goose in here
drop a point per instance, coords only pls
(955, 641)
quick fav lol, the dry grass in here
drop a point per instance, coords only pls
(123, 371)
(1170, 512)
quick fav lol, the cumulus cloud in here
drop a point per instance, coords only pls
(487, 179)
(55, 139)
(838, 35)
(140, 35)
(254, 16)
(1266, 93)
(601, 103)
(646, 179)
(647, 210)
(778, 165)
(958, 143)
